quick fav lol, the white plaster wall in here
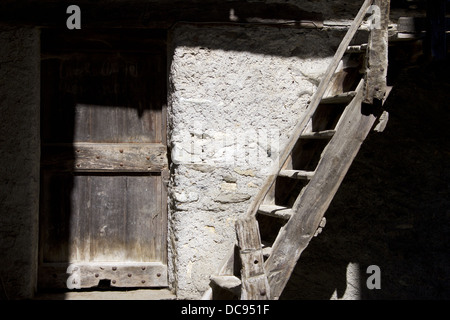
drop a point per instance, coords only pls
(235, 93)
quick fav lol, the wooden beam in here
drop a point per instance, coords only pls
(88, 274)
(105, 157)
(345, 97)
(297, 174)
(377, 53)
(255, 285)
(325, 134)
(275, 211)
(357, 48)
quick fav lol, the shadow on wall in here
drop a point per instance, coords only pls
(265, 40)
(392, 209)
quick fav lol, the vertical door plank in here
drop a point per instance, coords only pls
(79, 223)
(104, 124)
(108, 218)
(144, 216)
(82, 121)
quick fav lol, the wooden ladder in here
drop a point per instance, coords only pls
(289, 209)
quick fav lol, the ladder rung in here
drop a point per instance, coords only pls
(357, 48)
(297, 174)
(318, 134)
(230, 283)
(345, 97)
(275, 211)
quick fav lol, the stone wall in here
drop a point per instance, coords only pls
(19, 160)
(235, 94)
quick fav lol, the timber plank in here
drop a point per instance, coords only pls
(345, 97)
(143, 215)
(275, 211)
(105, 157)
(361, 48)
(297, 174)
(255, 285)
(377, 56)
(325, 134)
(107, 237)
(88, 274)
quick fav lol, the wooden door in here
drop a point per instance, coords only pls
(103, 219)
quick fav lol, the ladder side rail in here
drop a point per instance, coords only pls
(299, 128)
(309, 209)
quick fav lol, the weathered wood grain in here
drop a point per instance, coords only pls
(255, 285)
(297, 174)
(117, 274)
(230, 283)
(105, 157)
(275, 211)
(345, 97)
(102, 218)
(103, 97)
(325, 134)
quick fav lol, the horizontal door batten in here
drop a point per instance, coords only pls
(105, 157)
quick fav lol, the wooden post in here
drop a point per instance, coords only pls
(255, 285)
(377, 52)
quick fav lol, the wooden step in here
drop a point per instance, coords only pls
(230, 283)
(357, 48)
(345, 97)
(326, 134)
(297, 174)
(275, 211)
